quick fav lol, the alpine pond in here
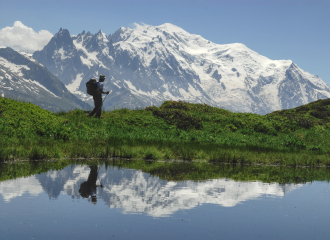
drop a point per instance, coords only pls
(163, 200)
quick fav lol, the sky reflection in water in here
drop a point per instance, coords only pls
(133, 204)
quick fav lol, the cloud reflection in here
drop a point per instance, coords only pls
(16, 188)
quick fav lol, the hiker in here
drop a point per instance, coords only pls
(88, 188)
(98, 98)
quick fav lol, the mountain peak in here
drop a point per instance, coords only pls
(63, 33)
(101, 36)
(171, 27)
(166, 27)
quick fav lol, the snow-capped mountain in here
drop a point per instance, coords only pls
(23, 78)
(134, 191)
(150, 64)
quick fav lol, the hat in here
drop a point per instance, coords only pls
(102, 77)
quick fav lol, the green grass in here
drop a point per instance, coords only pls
(175, 130)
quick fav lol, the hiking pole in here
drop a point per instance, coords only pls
(98, 169)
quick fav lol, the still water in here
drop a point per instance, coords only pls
(98, 202)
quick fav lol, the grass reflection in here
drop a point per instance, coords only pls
(178, 171)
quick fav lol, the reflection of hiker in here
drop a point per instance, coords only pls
(98, 98)
(88, 188)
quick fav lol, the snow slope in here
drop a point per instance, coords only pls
(21, 77)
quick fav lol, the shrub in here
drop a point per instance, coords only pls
(319, 114)
(303, 108)
(231, 127)
(305, 123)
(175, 105)
(325, 102)
(293, 142)
(174, 113)
(264, 127)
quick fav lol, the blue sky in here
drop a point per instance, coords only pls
(293, 29)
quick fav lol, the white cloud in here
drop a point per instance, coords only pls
(23, 38)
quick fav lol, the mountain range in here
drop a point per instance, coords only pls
(23, 78)
(147, 65)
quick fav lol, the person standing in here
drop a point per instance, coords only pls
(98, 98)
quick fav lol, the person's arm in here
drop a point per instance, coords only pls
(100, 86)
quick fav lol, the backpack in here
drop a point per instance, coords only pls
(91, 86)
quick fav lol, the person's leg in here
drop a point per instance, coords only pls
(98, 102)
(95, 106)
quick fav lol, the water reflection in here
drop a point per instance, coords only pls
(88, 188)
(16, 188)
(134, 191)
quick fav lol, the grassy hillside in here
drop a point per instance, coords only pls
(175, 130)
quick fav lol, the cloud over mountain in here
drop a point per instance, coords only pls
(23, 38)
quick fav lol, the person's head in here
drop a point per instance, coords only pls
(101, 78)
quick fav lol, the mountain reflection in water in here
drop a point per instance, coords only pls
(134, 191)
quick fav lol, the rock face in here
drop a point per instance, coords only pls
(22, 78)
(150, 64)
